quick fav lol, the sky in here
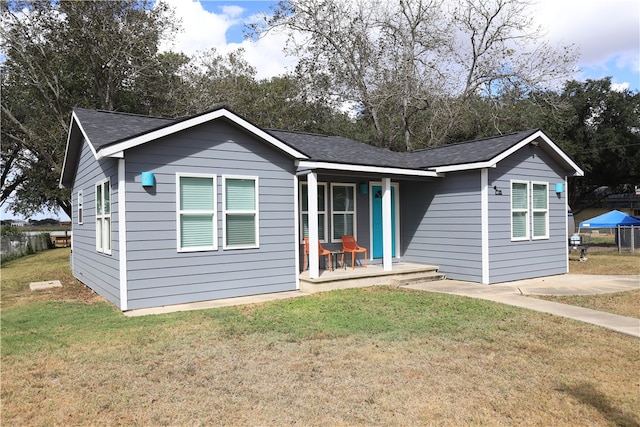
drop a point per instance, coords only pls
(606, 33)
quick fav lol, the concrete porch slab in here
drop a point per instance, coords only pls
(362, 277)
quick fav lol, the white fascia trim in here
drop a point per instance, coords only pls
(494, 161)
(84, 134)
(122, 235)
(465, 167)
(85, 140)
(113, 150)
(371, 169)
(558, 151)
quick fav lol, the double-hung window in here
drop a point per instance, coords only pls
(519, 210)
(540, 210)
(103, 217)
(529, 210)
(197, 229)
(80, 213)
(322, 211)
(240, 212)
(343, 211)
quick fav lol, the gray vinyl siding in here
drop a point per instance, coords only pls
(441, 224)
(518, 260)
(96, 270)
(160, 275)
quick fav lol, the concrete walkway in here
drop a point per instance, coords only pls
(515, 294)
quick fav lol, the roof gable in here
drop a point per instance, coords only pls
(468, 152)
(110, 134)
(488, 152)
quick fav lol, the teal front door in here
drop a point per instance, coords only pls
(376, 221)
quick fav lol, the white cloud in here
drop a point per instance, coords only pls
(203, 30)
(606, 32)
(619, 87)
(232, 11)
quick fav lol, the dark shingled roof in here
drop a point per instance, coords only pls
(336, 149)
(107, 127)
(480, 150)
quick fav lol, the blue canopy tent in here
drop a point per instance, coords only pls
(615, 219)
(610, 220)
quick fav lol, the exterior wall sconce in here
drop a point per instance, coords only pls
(497, 191)
(148, 180)
(559, 187)
(363, 188)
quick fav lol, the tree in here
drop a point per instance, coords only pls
(414, 67)
(602, 135)
(281, 102)
(93, 54)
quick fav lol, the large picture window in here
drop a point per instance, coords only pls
(240, 212)
(519, 210)
(103, 217)
(343, 211)
(197, 230)
(540, 210)
(322, 211)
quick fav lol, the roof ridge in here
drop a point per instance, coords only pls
(529, 131)
(300, 132)
(122, 113)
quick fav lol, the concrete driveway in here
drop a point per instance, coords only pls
(515, 293)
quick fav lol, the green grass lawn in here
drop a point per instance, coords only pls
(371, 356)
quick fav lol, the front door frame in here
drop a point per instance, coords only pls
(396, 214)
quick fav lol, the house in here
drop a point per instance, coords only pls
(212, 206)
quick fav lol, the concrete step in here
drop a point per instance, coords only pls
(361, 277)
(411, 279)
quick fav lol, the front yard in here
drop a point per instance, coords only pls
(372, 356)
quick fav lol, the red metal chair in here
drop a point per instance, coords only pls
(321, 252)
(349, 244)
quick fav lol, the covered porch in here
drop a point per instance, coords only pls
(363, 202)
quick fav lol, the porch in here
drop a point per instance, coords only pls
(402, 273)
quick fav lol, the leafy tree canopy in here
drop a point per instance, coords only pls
(93, 54)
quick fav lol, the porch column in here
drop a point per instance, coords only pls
(387, 234)
(312, 203)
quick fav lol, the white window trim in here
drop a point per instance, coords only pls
(323, 185)
(255, 211)
(534, 210)
(80, 208)
(100, 235)
(213, 213)
(355, 222)
(526, 211)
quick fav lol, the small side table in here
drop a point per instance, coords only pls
(334, 259)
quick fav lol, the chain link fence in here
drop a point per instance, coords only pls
(628, 238)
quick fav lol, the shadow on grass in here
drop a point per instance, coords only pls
(589, 395)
